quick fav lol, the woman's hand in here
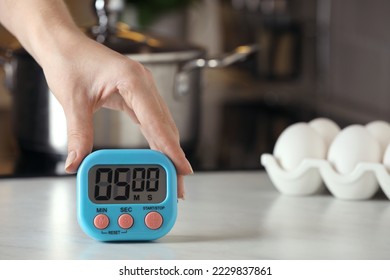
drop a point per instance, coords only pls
(88, 76)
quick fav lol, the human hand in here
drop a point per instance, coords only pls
(85, 76)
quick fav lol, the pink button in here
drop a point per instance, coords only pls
(101, 221)
(153, 220)
(125, 221)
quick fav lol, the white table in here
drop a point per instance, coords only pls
(226, 215)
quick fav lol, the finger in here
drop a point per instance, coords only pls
(80, 136)
(180, 187)
(180, 179)
(171, 148)
(183, 165)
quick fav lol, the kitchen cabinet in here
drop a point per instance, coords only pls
(226, 215)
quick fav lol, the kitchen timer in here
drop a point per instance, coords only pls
(126, 195)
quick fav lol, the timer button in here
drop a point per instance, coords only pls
(101, 221)
(125, 221)
(153, 220)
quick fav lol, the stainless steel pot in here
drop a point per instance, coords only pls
(39, 121)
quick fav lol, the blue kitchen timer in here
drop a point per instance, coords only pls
(126, 195)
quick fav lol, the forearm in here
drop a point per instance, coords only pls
(41, 26)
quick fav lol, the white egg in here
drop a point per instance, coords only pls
(354, 144)
(297, 142)
(386, 158)
(381, 131)
(327, 128)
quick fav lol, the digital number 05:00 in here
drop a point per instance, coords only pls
(246, 270)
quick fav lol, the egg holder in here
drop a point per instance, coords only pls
(313, 176)
(309, 178)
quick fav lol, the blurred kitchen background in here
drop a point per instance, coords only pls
(316, 58)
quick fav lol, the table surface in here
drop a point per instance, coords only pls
(226, 215)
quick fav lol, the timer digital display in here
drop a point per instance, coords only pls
(126, 195)
(127, 184)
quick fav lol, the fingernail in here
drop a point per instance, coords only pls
(69, 160)
(190, 167)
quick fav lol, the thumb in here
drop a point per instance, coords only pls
(80, 138)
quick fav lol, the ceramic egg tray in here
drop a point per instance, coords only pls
(303, 164)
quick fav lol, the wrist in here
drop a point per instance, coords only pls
(52, 37)
(54, 43)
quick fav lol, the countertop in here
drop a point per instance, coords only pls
(226, 215)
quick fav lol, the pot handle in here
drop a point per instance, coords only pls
(182, 83)
(239, 54)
